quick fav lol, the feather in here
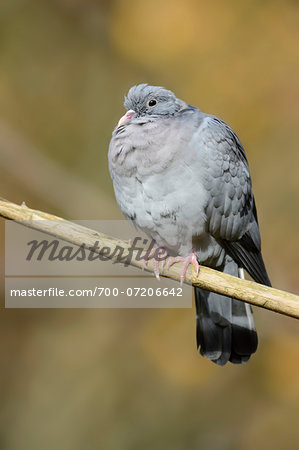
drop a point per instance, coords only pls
(225, 328)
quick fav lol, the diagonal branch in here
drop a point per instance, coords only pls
(212, 280)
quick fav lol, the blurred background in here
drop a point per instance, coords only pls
(131, 379)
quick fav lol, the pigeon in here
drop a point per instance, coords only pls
(182, 177)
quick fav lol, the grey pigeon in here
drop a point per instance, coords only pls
(182, 176)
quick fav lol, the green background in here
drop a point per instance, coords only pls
(132, 379)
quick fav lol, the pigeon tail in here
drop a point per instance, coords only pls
(225, 329)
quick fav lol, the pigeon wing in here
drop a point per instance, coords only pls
(231, 212)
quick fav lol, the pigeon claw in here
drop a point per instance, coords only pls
(155, 263)
(186, 260)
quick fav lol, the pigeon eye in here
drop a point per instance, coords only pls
(152, 102)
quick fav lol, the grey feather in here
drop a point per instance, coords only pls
(182, 176)
(225, 326)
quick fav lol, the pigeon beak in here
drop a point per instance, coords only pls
(126, 117)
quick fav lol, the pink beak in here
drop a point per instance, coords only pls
(126, 117)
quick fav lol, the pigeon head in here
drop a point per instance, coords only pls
(147, 100)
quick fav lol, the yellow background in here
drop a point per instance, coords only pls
(132, 379)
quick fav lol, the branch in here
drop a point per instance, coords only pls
(209, 279)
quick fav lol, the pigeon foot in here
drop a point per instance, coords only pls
(191, 259)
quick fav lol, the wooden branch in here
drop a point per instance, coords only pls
(212, 280)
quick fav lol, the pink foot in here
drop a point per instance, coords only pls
(191, 259)
(155, 263)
